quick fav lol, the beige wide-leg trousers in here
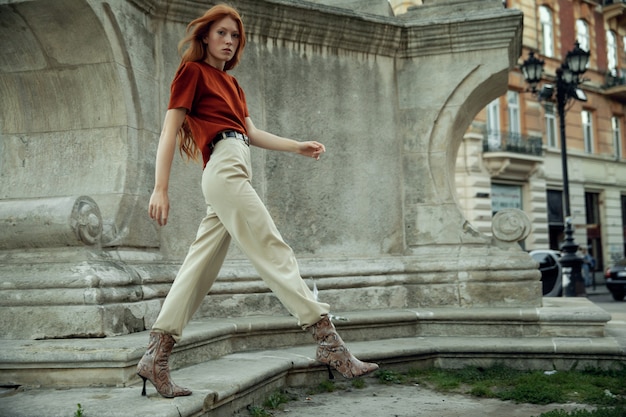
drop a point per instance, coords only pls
(235, 210)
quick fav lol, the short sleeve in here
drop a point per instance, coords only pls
(242, 96)
(184, 87)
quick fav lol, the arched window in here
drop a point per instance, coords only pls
(582, 34)
(547, 32)
(611, 52)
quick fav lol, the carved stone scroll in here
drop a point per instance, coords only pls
(510, 225)
(49, 222)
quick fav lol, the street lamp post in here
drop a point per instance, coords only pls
(567, 81)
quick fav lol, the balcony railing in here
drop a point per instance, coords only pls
(512, 142)
(615, 77)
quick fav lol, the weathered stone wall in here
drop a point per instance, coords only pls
(375, 223)
(77, 109)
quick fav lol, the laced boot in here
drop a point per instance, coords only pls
(332, 351)
(154, 366)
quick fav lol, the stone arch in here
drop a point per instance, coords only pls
(464, 92)
(70, 112)
(483, 91)
(55, 62)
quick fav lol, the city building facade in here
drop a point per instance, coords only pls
(511, 154)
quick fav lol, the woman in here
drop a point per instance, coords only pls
(207, 111)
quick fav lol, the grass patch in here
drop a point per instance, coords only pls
(600, 412)
(390, 377)
(256, 411)
(324, 386)
(276, 400)
(358, 383)
(604, 389)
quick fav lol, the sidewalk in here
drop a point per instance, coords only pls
(599, 285)
(597, 289)
(406, 401)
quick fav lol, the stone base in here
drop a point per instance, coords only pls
(70, 293)
(83, 293)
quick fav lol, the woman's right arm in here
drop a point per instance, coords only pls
(159, 201)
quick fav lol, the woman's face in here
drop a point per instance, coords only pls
(222, 42)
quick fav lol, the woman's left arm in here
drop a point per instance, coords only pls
(266, 140)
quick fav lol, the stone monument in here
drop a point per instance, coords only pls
(375, 223)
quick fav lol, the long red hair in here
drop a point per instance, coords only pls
(197, 51)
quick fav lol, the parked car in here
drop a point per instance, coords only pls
(615, 276)
(551, 271)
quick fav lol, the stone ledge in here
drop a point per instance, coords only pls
(577, 329)
(120, 292)
(227, 384)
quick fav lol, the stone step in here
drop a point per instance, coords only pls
(231, 382)
(111, 361)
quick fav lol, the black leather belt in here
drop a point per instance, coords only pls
(230, 134)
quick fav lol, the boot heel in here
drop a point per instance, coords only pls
(330, 372)
(143, 391)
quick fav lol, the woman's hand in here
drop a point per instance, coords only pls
(266, 140)
(311, 149)
(159, 207)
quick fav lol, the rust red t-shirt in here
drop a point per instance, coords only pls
(214, 101)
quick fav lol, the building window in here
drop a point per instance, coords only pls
(505, 197)
(494, 139)
(547, 32)
(555, 218)
(514, 116)
(582, 34)
(587, 131)
(611, 52)
(592, 208)
(550, 126)
(616, 125)
(593, 226)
